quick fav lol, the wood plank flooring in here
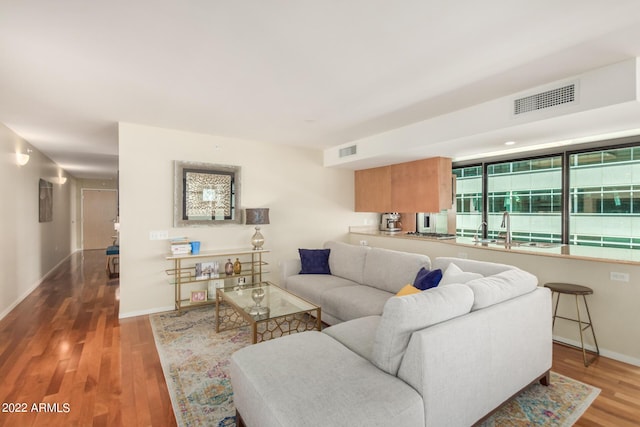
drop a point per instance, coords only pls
(65, 346)
(65, 350)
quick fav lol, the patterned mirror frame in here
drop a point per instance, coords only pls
(206, 194)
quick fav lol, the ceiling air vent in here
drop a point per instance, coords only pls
(550, 98)
(348, 151)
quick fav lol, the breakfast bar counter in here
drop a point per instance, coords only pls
(589, 253)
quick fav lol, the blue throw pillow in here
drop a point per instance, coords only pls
(314, 261)
(426, 279)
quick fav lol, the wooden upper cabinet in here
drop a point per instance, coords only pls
(373, 190)
(418, 186)
(422, 185)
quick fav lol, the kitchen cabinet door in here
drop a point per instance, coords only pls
(422, 185)
(373, 190)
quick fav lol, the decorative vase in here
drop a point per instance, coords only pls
(228, 267)
(257, 295)
(237, 266)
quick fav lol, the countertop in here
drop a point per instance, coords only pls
(590, 253)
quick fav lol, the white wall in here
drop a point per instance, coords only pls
(613, 305)
(308, 203)
(29, 249)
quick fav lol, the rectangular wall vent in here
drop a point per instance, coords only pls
(348, 151)
(550, 98)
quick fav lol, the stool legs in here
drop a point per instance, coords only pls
(588, 324)
(593, 333)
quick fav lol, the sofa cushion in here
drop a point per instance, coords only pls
(314, 261)
(352, 302)
(500, 287)
(313, 286)
(322, 383)
(453, 274)
(357, 334)
(391, 270)
(427, 279)
(347, 260)
(404, 315)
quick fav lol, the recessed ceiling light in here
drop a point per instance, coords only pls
(510, 143)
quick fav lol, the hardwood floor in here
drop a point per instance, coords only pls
(619, 401)
(65, 346)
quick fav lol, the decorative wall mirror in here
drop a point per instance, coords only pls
(206, 194)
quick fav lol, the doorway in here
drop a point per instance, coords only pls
(99, 213)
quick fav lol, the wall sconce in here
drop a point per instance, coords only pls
(22, 159)
(257, 217)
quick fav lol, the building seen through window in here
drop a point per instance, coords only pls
(604, 198)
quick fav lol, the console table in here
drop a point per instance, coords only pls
(183, 273)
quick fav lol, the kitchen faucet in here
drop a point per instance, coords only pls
(506, 222)
(475, 237)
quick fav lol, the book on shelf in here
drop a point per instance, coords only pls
(180, 248)
(181, 252)
(179, 240)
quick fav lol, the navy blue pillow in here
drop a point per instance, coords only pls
(314, 261)
(426, 279)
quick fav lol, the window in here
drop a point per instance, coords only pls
(531, 191)
(604, 201)
(603, 197)
(468, 200)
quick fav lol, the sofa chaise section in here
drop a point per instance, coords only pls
(310, 379)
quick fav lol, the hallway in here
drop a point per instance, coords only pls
(66, 359)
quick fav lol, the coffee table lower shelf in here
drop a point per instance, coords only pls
(284, 312)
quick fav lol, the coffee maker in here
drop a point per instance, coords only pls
(390, 222)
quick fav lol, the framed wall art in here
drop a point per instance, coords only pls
(206, 194)
(45, 201)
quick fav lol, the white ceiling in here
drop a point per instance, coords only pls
(299, 72)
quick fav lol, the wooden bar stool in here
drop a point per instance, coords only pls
(569, 289)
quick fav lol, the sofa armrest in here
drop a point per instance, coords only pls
(482, 358)
(289, 267)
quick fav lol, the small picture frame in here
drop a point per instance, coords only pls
(199, 296)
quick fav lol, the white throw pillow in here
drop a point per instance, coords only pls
(500, 287)
(453, 274)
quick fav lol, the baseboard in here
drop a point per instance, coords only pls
(32, 288)
(603, 351)
(146, 312)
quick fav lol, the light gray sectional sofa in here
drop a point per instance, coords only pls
(362, 280)
(447, 356)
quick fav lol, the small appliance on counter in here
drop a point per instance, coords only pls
(433, 226)
(390, 222)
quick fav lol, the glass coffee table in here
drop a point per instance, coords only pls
(270, 311)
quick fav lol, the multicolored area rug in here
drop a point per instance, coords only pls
(195, 361)
(559, 404)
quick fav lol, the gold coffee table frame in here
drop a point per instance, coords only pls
(284, 312)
